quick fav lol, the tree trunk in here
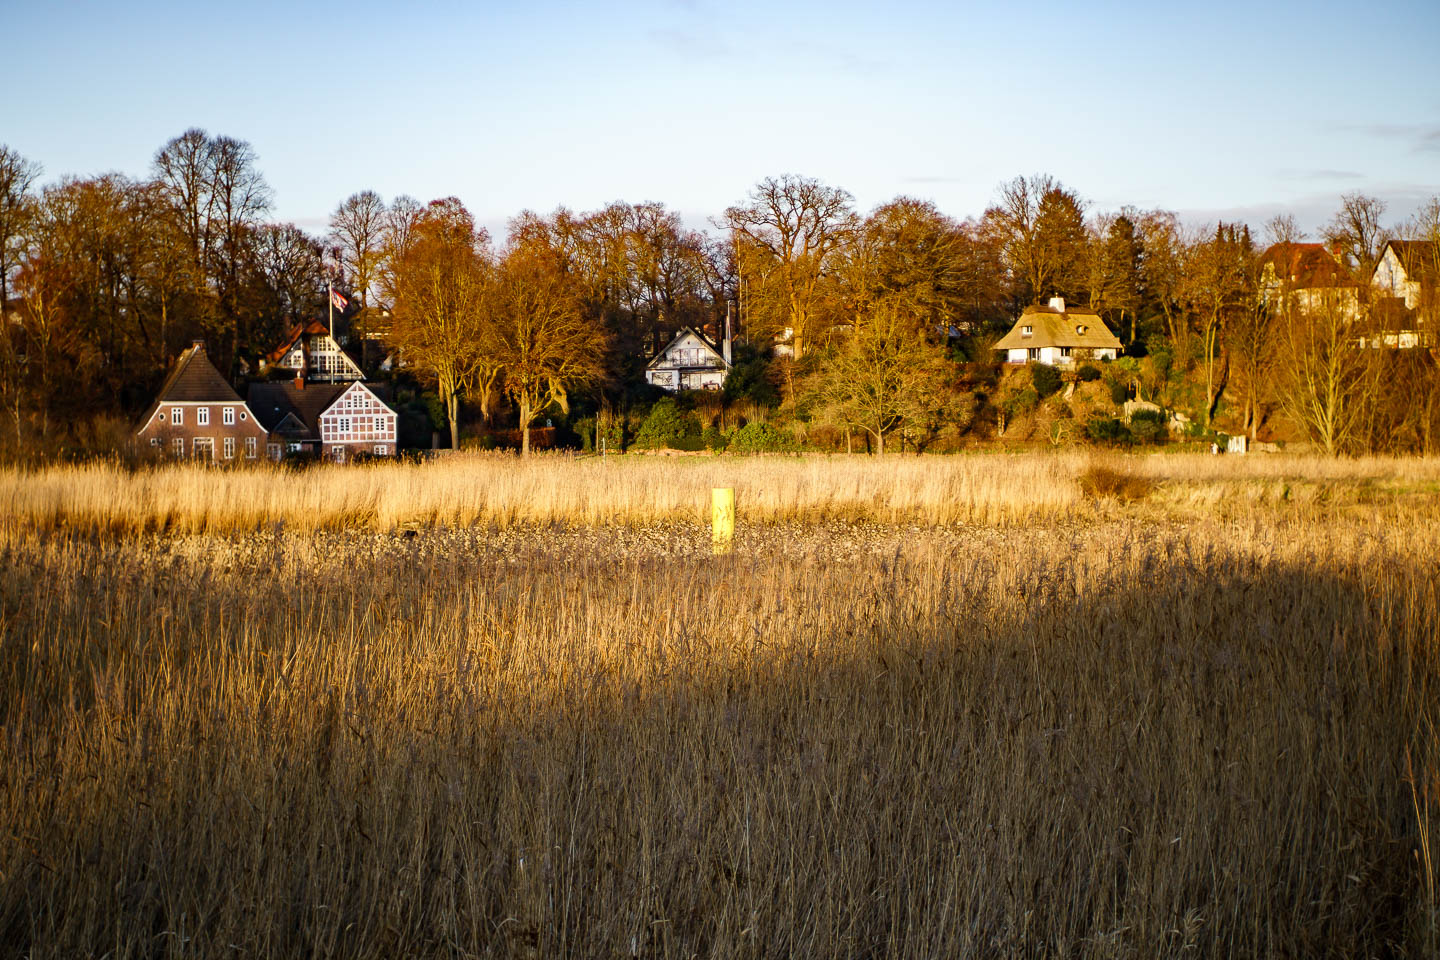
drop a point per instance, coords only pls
(525, 427)
(452, 411)
(879, 444)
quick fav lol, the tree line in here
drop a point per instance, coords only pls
(105, 279)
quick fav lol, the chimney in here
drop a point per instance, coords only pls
(1057, 304)
(725, 347)
(299, 382)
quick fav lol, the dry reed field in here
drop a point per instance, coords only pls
(502, 490)
(978, 716)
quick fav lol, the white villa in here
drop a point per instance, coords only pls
(690, 362)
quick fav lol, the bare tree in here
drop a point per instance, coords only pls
(441, 281)
(541, 337)
(1162, 274)
(1356, 231)
(1218, 285)
(1328, 381)
(357, 227)
(880, 376)
(796, 224)
(1042, 224)
(17, 177)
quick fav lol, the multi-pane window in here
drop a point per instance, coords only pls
(179, 446)
(177, 415)
(250, 446)
(229, 448)
(381, 449)
(202, 416)
(228, 417)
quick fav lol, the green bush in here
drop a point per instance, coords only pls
(759, 438)
(1109, 432)
(1148, 426)
(1119, 392)
(1045, 378)
(1088, 373)
(714, 440)
(668, 426)
(612, 431)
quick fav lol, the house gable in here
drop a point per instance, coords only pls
(360, 419)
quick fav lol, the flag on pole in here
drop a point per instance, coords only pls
(338, 301)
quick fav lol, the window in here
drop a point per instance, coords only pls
(154, 441)
(381, 449)
(1080, 329)
(1033, 353)
(242, 415)
(344, 424)
(202, 416)
(177, 415)
(179, 446)
(203, 448)
(1064, 351)
(229, 448)
(162, 416)
(1027, 330)
(273, 450)
(250, 446)
(227, 417)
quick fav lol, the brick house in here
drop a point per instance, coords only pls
(198, 414)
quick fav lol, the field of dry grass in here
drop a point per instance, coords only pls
(502, 490)
(940, 720)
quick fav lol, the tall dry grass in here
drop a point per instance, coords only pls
(1110, 740)
(503, 490)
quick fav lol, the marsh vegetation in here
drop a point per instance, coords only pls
(926, 707)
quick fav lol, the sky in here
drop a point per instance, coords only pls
(1223, 110)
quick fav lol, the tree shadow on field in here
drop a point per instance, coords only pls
(1192, 752)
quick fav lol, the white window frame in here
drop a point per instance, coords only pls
(202, 416)
(177, 416)
(251, 448)
(227, 416)
(229, 447)
(1027, 331)
(381, 450)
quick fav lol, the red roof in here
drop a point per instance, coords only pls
(1304, 264)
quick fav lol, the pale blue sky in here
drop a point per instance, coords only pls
(1231, 109)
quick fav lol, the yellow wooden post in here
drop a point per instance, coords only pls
(722, 518)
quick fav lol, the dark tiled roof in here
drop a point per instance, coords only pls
(1418, 257)
(195, 378)
(272, 402)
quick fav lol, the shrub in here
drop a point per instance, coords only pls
(759, 438)
(1119, 392)
(713, 439)
(1088, 373)
(1100, 481)
(1148, 426)
(1045, 378)
(669, 426)
(1108, 431)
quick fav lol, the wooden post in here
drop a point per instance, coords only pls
(722, 519)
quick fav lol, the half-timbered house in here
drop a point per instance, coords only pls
(336, 421)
